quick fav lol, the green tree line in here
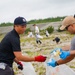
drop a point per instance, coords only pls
(37, 21)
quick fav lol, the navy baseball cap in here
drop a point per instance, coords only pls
(20, 21)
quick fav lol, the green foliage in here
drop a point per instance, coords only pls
(45, 20)
(27, 30)
(6, 24)
(52, 19)
(42, 32)
(59, 29)
(50, 29)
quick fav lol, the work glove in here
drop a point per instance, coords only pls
(64, 54)
(20, 65)
(40, 58)
(52, 63)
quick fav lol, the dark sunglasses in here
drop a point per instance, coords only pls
(67, 27)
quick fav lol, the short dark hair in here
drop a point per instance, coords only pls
(74, 15)
(34, 24)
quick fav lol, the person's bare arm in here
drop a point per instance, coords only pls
(16, 60)
(72, 52)
(69, 58)
(21, 57)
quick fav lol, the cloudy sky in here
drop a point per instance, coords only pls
(35, 9)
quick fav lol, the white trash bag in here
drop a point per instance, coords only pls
(28, 69)
(39, 36)
(30, 34)
(58, 70)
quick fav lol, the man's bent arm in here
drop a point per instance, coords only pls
(25, 58)
(69, 58)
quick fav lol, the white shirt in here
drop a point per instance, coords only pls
(47, 32)
(36, 29)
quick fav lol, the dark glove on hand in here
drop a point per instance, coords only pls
(20, 65)
(40, 58)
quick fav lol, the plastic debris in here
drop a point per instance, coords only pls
(58, 70)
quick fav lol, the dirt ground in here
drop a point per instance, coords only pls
(30, 47)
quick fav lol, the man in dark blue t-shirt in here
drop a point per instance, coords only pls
(10, 49)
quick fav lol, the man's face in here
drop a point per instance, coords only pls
(20, 28)
(71, 28)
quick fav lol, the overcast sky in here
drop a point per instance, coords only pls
(35, 9)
